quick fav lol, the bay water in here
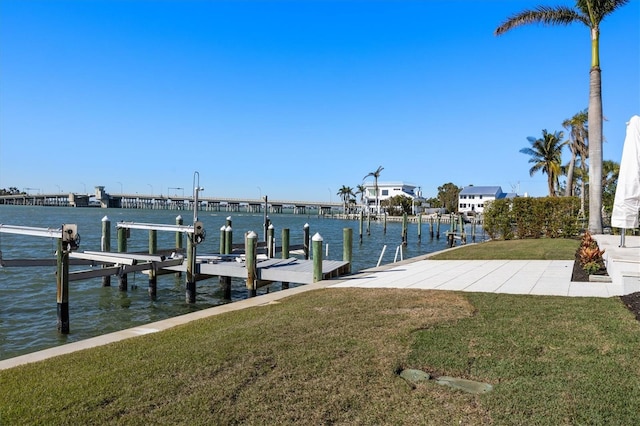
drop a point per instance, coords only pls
(28, 294)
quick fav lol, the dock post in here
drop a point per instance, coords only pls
(463, 233)
(179, 244)
(271, 252)
(122, 248)
(473, 230)
(404, 229)
(228, 239)
(431, 228)
(305, 241)
(317, 257)
(285, 251)
(250, 244)
(105, 245)
(222, 244)
(62, 284)
(438, 227)
(190, 294)
(369, 224)
(153, 278)
(360, 224)
(384, 221)
(419, 227)
(347, 247)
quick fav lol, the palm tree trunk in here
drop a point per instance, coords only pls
(568, 191)
(595, 151)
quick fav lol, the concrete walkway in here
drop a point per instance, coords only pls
(539, 277)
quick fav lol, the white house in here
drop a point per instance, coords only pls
(473, 198)
(388, 190)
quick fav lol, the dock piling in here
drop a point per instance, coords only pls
(62, 288)
(347, 247)
(153, 277)
(105, 245)
(306, 241)
(285, 251)
(122, 248)
(251, 241)
(317, 257)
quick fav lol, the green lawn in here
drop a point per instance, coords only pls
(534, 249)
(332, 356)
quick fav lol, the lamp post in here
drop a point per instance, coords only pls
(121, 191)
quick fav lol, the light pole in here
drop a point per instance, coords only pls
(121, 191)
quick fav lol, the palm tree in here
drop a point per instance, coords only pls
(578, 136)
(589, 13)
(346, 192)
(546, 155)
(375, 175)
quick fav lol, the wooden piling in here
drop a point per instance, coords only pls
(179, 243)
(317, 257)
(431, 228)
(384, 221)
(360, 224)
(62, 287)
(250, 244)
(153, 277)
(285, 251)
(306, 241)
(190, 292)
(122, 248)
(105, 245)
(419, 227)
(228, 240)
(347, 247)
(271, 252)
(222, 243)
(404, 229)
(438, 227)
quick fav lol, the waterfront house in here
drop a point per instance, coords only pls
(472, 199)
(388, 190)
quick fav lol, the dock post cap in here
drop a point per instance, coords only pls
(179, 217)
(271, 226)
(223, 227)
(228, 229)
(228, 217)
(306, 225)
(252, 234)
(317, 237)
(105, 218)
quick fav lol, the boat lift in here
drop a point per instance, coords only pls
(68, 240)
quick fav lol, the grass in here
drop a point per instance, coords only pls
(331, 356)
(534, 249)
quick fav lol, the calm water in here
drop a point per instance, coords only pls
(28, 295)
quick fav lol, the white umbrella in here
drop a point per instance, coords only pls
(627, 200)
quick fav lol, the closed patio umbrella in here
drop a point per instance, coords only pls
(627, 199)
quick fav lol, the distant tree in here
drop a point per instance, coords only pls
(375, 175)
(345, 193)
(578, 137)
(448, 196)
(397, 205)
(434, 202)
(546, 156)
(11, 191)
(589, 13)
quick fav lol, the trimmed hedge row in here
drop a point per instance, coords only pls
(525, 217)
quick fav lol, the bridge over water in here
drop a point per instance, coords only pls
(170, 202)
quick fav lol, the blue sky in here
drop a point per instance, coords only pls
(294, 99)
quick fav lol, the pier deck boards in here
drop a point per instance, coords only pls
(291, 270)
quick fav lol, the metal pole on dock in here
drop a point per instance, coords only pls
(317, 257)
(122, 248)
(153, 277)
(62, 288)
(347, 247)
(250, 244)
(306, 241)
(105, 245)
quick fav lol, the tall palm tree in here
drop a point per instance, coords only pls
(578, 136)
(346, 192)
(546, 156)
(375, 175)
(589, 13)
